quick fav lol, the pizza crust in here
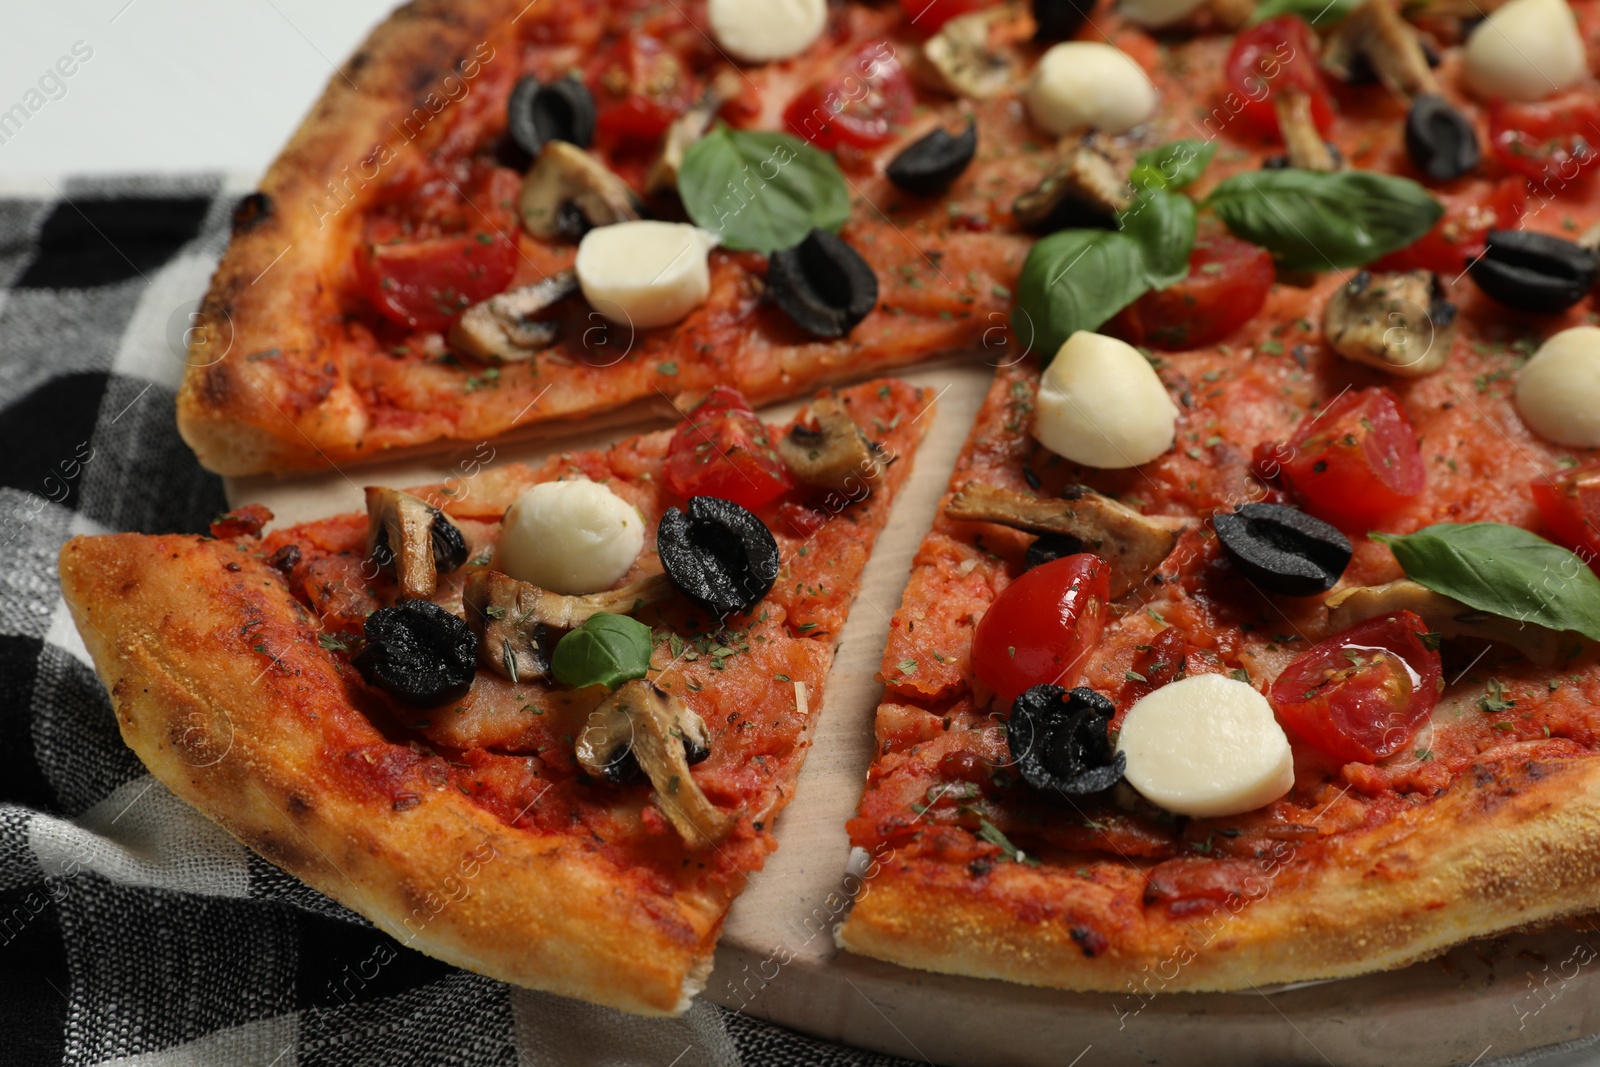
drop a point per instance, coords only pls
(251, 738)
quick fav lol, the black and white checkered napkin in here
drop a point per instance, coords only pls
(133, 930)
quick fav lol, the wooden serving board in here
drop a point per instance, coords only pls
(777, 959)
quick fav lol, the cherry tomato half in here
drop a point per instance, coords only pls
(426, 284)
(722, 449)
(1227, 285)
(859, 107)
(1356, 461)
(1569, 504)
(640, 85)
(1274, 55)
(1363, 693)
(927, 16)
(1042, 625)
(1552, 142)
(1459, 237)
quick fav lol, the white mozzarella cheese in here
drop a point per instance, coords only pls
(1100, 404)
(1558, 392)
(1206, 745)
(1524, 51)
(645, 274)
(1154, 14)
(760, 31)
(1083, 84)
(573, 538)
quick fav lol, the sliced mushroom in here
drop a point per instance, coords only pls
(664, 736)
(1444, 616)
(688, 128)
(410, 537)
(1086, 184)
(518, 623)
(1589, 239)
(961, 60)
(835, 455)
(1231, 15)
(1132, 543)
(1390, 45)
(568, 192)
(1400, 322)
(1307, 150)
(506, 328)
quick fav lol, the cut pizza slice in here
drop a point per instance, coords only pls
(537, 723)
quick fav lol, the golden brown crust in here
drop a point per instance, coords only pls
(246, 722)
(1515, 842)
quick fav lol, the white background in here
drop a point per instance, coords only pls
(173, 85)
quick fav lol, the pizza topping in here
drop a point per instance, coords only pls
(1227, 286)
(1057, 20)
(1296, 124)
(861, 106)
(1460, 236)
(1440, 140)
(1276, 56)
(645, 274)
(424, 284)
(507, 328)
(1132, 544)
(1533, 271)
(413, 540)
(1525, 51)
(961, 60)
(1101, 404)
(1550, 143)
(418, 653)
(1206, 745)
(605, 649)
(1442, 615)
(1080, 85)
(1569, 504)
(563, 110)
(1356, 461)
(1157, 14)
(761, 192)
(760, 31)
(931, 163)
(722, 449)
(718, 554)
(1376, 41)
(1085, 186)
(1042, 626)
(1365, 692)
(1400, 322)
(643, 727)
(568, 192)
(1051, 546)
(1060, 742)
(836, 455)
(1282, 549)
(570, 537)
(823, 284)
(688, 128)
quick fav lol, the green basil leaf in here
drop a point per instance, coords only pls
(1319, 13)
(761, 192)
(1316, 220)
(1504, 570)
(606, 650)
(1163, 225)
(1173, 165)
(1075, 280)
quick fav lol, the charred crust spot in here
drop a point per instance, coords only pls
(217, 386)
(298, 805)
(1091, 941)
(251, 211)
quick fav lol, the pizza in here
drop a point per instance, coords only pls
(1255, 640)
(537, 722)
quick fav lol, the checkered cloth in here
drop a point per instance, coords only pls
(133, 930)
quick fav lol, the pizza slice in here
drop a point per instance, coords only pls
(538, 722)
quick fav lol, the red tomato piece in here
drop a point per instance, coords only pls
(640, 85)
(1569, 504)
(1552, 142)
(1227, 285)
(927, 16)
(722, 449)
(861, 107)
(1041, 626)
(1362, 694)
(1356, 461)
(1458, 238)
(241, 522)
(426, 284)
(1268, 58)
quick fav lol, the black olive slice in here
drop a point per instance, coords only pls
(929, 164)
(1534, 271)
(1282, 549)
(1440, 140)
(1058, 20)
(822, 284)
(718, 554)
(419, 653)
(1047, 548)
(560, 111)
(1060, 740)
(449, 547)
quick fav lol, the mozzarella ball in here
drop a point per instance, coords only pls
(1558, 392)
(645, 274)
(572, 538)
(1206, 745)
(1154, 14)
(1100, 404)
(1079, 84)
(760, 31)
(1524, 51)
